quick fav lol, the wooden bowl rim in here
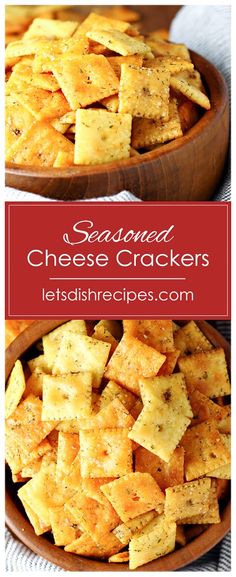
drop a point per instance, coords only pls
(209, 74)
(19, 525)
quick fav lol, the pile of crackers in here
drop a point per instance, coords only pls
(96, 91)
(120, 437)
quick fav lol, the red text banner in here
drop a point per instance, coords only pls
(118, 260)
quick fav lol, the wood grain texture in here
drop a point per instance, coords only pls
(188, 168)
(19, 525)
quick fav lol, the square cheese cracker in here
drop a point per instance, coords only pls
(101, 136)
(212, 515)
(144, 92)
(165, 417)
(85, 79)
(187, 499)
(119, 42)
(131, 360)
(207, 372)
(205, 450)
(67, 396)
(52, 340)
(133, 495)
(108, 454)
(81, 353)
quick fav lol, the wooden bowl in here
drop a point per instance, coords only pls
(18, 523)
(188, 168)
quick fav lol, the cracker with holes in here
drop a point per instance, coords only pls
(205, 450)
(154, 333)
(207, 372)
(39, 146)
(15, 389)
(165, 474)
(131, 359)
(101, 136)
(106, 455)
(147, 132)
(67, 396)
(155, 540)
(187, 500)
(85, 79)
(24, 432)
(120, 42)
(212, 515)
(165, 417)
(133, 495)
(144, 92)
(190, 339)
(51, 341)
(82, 353)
